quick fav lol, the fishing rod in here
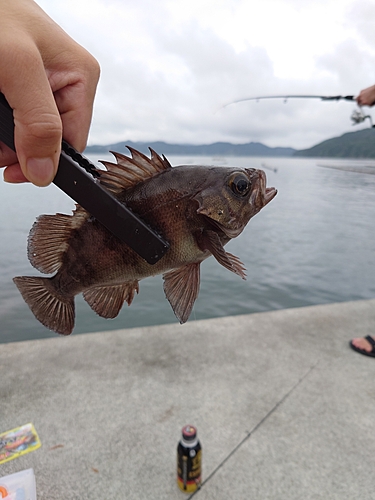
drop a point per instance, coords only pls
(286, 97)
(357, 116)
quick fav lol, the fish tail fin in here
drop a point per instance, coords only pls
(48, 306)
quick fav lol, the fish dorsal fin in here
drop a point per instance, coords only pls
(181, 287)
(131, 170)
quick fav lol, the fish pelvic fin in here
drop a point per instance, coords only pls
(181, 287)
(131, 170)
(49, 239)
(210, 241)
(107, 301)
(52, 310)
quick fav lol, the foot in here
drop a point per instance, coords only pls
(362, 343)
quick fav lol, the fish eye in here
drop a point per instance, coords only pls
(240, 185)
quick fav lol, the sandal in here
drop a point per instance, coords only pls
(362, 351)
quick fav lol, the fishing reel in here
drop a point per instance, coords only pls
(358, 116)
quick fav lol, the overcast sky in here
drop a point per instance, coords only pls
(168, 66)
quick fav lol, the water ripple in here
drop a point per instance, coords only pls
(313, 244)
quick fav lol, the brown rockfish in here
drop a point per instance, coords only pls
(197, 209)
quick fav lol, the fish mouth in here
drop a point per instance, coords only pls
(269, 195)
(262, 194)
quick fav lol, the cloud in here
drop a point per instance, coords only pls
(348, 65)
(168, 67)
(193, 73)
(361, 16)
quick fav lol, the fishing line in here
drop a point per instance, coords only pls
(256, 427)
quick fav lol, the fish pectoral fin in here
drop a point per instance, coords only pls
(49, 237)
(211, 242)
(181, 287)
(107, 301)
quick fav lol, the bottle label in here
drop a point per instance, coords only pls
(189, 467)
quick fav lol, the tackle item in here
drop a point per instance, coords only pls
(18, 486)
(357, 115)
(18, 442)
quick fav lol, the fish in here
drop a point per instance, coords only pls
(198, 209)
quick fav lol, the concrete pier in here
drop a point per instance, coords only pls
(284, 408)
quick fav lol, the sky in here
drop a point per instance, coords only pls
(169, 66)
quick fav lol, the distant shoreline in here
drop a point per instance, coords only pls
(359, 144)
(215, 149)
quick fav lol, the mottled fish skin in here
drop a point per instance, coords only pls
(197, 209)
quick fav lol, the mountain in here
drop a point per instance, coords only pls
(360, 144)
(218, 148)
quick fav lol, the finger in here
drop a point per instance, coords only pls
(13, 174)
(7, 155)
(75, 100)
(38, 127)
(76, 115)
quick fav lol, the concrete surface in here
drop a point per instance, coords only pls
(284, 408)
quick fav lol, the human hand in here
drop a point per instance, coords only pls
(366, 97)
(50, 82)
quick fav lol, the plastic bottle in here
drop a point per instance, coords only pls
(189, 460)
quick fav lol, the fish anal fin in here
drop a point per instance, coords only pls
(107, 301)
(210, 241)
(49, 236)
(52, 310)
(131, 170)
(181, 287)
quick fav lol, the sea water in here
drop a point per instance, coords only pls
(313, 244)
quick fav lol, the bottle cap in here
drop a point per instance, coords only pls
(189, 432)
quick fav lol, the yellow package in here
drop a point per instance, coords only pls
(18, 442)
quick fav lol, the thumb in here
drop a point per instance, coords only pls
(38, 127)
(37, 137)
